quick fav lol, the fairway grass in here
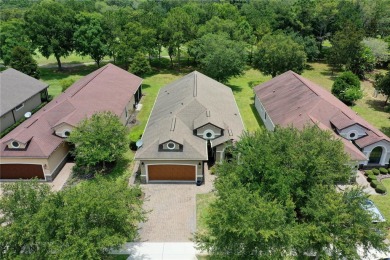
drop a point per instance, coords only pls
(383, 203)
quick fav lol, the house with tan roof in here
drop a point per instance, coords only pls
(192, 122)
(38, 147)
(19, 94)
(291, 100)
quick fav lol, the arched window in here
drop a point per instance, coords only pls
(375, 155)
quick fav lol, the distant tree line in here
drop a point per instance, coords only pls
(217, 36)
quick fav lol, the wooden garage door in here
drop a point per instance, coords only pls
(169, 172)
(21, 171)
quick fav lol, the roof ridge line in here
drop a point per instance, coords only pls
(304, 83)
(97, 74)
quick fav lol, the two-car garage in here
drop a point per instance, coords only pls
(21, 171)
(171, 172)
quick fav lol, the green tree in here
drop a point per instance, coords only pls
(346, 87)
(219, 57)
(50, 26)
(90, 37)
(12, 35)
(81, 222)
(140, 65)
(22, 60)
(379, 48)
(99, 139)
(19, 203)
(177, 29)
(382, 85)
(277, 196)
(278, 53)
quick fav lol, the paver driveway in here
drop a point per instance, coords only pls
(173, 210)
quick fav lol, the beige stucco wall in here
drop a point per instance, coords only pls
(199, 168)
(57, 157)
(356, 129)
(61, 128)
(220, 152)
(129, 108)
(6, 121)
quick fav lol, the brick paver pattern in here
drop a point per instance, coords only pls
(172, 216)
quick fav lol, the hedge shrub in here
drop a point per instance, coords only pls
(371, 178)
(383, 170)
(380, 189)
(375, 183)
(376, 171)
(368, 172)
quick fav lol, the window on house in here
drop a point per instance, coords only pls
(265, 116)
(171, 145)
(15, 144)
(19, 107)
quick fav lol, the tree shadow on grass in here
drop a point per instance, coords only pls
(254, 83)
(145, 86)
(257, 116)
(234, 88)
(377, 105)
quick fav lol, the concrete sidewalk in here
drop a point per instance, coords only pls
(159, 251)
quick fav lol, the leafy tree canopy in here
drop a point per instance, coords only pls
(82, 222)
(22, 60)
(347, 88)
(278, 53)
(90, 37)
(379, 48)
(99, 139)
(50, 26)
(277, 197)
(219, 57)
(382, 85)
(140, 65)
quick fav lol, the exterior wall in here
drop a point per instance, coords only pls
(177, 146)
(6, 121)
(264, 115)
(385, 153)
(208, 128)
(56, 160)
(356, 129)
(29, 105)
(39, 161)
(144, 164)
(59, 130)
(130, 108)
(220, 152)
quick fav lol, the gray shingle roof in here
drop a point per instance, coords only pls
(16, 87)
(185, 103)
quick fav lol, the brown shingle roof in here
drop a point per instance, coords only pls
(109, 88)
(290, 99)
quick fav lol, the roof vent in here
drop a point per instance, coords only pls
(173, 124)
(195, 85)
(208, 113)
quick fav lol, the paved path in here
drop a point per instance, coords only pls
(61, 178)
(361, 180)
(159, 251)
(172, 207)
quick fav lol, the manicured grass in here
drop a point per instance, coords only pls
(383, 203)
(71, 59)
(117, 257)
(369, 107)
(53, 77)
(243, 92)
(202, 203)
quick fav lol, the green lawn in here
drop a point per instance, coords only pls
(383, 203)
(73, 58)
(202, 203)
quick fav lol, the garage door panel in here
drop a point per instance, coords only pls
(21, 171)
(171, 172)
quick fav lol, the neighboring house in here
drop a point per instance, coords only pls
(19, 94)
(193, 120)
(290, 99)
(38, 147)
